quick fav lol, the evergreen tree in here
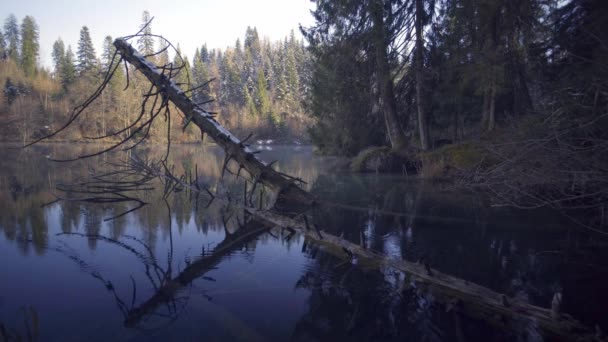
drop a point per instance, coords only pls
(262, 99)
(200, 75)
(3, 54)
(371, 27)
(11, 33)
(205, 57)
(29, 45)
(58, 55)
(68, 69)
(163, 56)
(145, 43)
(87, 60)
(232, 86)
(182, 76)
(108, 52)
(291, 74)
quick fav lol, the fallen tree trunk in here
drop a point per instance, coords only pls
(454, 293)
(288, 193)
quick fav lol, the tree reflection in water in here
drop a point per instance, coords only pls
(343, 301)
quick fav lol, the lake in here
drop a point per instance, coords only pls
(68, 272)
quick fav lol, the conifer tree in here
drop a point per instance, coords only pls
(58, 55)
(205, 57)
(182, 76)
(2, 46)
(200, 75)
(68, 69)
(262, 100)
(11, 33)
(145, 43)
(29, 45)
(163, 56)
(108, 52)
(87, 61)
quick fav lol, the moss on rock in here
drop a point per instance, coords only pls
(383, 159)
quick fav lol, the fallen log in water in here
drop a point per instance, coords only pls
(471, 299)
(286, 190)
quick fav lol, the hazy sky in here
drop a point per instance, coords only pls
(190, 22)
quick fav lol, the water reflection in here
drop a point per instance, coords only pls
(158, 272)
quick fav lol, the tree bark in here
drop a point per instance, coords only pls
(385, 81)
(418, 65)
(287, 193)
(485, 110)
(492, 109)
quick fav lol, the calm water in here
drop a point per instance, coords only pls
(75, 276)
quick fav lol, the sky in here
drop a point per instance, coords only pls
(218, 23)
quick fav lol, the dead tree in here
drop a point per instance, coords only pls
(287, 192)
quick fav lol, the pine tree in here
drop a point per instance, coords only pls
(262, 100)
(231, 83)
(11, 33)
(182, 76)
(205, 57)
(3, 54)
(145, 42)
(108, 52)
(291, 74)
(200, 75)
(68, 69)
(87, 61)
(163, 56)
(58, 55)
(29, 45)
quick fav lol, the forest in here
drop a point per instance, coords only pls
(454, 184)
(256, 84)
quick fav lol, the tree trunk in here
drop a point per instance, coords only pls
(455, 128)
(485, 110)
(492, 109)
(287, 193)
(385, 81)
(418, 65)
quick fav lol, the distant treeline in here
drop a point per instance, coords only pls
(257, 86)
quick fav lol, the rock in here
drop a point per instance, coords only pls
(385, 160)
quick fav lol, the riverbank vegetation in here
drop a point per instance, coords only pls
(508, 96)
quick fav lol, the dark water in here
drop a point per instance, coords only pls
(67, 274)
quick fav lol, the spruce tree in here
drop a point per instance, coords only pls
(262, 100)
(163, 56)
(58, 55)
(2, 46)
(181, 77)
(29, 45)
(11, 33)
(108, 52)
(68, 69)
(205, 54)
(145, 43)
(200, 75)
(87, 61)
